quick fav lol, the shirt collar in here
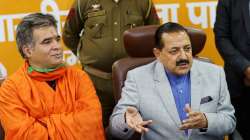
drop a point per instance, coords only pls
(176, 78)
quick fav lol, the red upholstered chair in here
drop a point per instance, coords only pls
(139, 44)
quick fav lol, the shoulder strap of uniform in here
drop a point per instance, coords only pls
(79, 9)
(149, 9)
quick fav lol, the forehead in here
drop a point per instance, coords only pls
(42, 33)
(175, 39)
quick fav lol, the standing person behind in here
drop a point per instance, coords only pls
(232, 36)
(94, 29)
(3, 73)
(156, 97)
(44, 99)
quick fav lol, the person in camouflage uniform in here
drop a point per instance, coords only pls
(93, 31)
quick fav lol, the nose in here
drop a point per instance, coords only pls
(183, 54)
(56, 44)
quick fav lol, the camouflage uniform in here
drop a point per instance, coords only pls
(93, 30)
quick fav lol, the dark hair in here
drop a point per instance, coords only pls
(169, 27)
(24, 31)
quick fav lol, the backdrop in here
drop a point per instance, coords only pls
(193, 13)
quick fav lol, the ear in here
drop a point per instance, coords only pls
(157, 52)
(27, 50)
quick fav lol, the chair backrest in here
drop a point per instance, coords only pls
(139, 44)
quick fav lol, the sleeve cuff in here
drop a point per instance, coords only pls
(210, 123)
(120, 127)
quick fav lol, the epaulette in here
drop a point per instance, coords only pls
(149, 9)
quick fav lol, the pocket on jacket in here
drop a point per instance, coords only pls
(134, 19)
(94, 24)
(208, 105)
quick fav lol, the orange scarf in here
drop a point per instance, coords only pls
(46, 76)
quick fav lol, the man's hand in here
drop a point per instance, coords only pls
(247, 82)
(247, 73)
(134, 120)
(194, 120)
(247, 77)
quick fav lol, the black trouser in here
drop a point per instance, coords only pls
(242, 113)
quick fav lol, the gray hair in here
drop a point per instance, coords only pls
(24, 32)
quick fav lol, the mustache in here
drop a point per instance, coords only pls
(182, 62)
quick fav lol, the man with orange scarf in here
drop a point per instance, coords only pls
(44, 99)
